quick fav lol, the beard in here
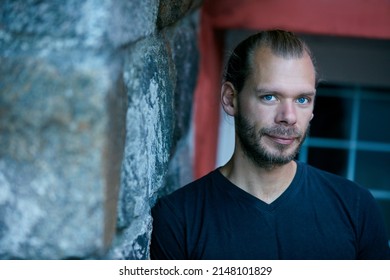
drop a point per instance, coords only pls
(254, 149)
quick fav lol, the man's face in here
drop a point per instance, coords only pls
(275, 107)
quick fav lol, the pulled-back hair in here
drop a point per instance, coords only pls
(282, 43)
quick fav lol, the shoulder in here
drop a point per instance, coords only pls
(194, 188)
(174, 220)
(330, 180)
(190, 196)
(353, 204)
(327, 185)
(322, 175)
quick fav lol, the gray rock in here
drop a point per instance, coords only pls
(56, 134)
(149, 79)
(172, 11)
(132, 20)
(95, 112)
(93, 24)
(160, 76)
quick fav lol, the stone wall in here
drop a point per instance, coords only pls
(95, 110)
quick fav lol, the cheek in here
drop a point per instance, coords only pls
(259, 112)
(305, 118)
(265, 116)
(259, 117)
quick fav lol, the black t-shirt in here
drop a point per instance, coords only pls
(319, 216)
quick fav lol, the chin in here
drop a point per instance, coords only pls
(280, 150)
(279, 157)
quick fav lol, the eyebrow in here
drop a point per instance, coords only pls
(276, 92)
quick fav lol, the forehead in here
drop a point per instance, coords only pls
(271, 69)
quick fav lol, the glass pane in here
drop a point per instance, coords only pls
(374, 118)
(385, 207)
(373, 169)
(331, 160)
(332, 114)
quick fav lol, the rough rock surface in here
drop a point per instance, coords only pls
(95, 111)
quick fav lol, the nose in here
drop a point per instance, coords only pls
(286, 113)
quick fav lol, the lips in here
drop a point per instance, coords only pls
(284, 140)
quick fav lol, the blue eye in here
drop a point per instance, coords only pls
(268, 98)
(302, 100)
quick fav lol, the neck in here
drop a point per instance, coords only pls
(266, 183)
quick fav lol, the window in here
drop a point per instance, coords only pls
(350, 136)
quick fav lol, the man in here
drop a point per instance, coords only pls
(263, 204)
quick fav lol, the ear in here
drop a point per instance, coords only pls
(229, 98)
(312, 115)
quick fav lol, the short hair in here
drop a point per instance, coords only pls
(282, 43)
